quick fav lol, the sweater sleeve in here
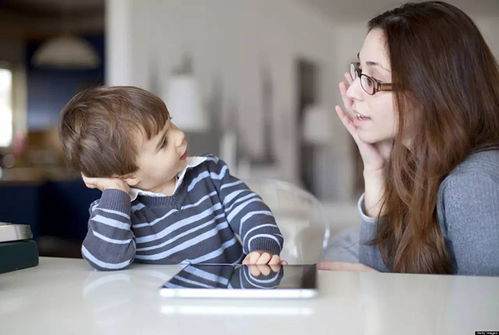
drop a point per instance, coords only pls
(247, 214)
(109, 243)
(369, 254)
(469, 215)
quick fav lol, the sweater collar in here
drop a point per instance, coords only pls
(191, 162)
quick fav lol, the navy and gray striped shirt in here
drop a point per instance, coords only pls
(212, 217)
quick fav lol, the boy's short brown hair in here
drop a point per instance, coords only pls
(98, 128)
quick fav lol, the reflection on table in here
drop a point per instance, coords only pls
(63, 296)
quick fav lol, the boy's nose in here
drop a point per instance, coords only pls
(180, 138)
(178, 135)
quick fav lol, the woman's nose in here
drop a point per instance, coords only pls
(354, 91)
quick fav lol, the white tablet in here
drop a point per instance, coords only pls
(241, 281)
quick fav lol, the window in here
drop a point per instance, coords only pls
(5, 107)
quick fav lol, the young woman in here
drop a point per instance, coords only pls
(422, 104)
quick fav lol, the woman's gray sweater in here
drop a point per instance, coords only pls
(468, 213)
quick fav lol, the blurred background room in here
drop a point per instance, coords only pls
(254, 82)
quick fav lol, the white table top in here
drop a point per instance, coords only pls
(65, 296)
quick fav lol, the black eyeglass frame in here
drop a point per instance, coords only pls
(377, 86)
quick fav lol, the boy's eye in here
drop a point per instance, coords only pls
(163, 143)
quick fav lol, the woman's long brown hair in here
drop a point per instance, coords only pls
(446, 89)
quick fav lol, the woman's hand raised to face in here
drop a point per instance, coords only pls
(374, 156)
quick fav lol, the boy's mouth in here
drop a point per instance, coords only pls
(184, 156)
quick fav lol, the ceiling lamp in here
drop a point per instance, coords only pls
(184, 103)
(182, 97)
(66, 52)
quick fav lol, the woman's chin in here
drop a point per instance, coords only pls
(372, 138)
(369, 138)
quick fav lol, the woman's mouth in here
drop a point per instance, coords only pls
(361, 117)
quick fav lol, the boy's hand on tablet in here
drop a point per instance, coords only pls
(265, 270)
(105, 183)
(262, 257)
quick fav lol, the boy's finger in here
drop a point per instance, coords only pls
(274, 260)
(253, 257)
(264, 269)
(247, 259)
(253, 269)
(264, 258)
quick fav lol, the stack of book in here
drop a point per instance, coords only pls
(17, 248)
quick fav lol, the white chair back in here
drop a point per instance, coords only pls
(300, 218)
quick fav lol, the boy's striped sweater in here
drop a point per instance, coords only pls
(212, 217)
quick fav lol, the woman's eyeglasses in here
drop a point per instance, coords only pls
(368, 84)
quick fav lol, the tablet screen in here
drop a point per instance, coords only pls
(241, 281)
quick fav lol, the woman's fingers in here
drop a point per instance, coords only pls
(369, 153)
(348, 77)
(347, 102)
(346, 120)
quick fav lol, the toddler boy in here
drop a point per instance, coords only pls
(158, 205)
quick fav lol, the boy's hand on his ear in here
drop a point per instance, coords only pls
(262, 257)
(106, 183)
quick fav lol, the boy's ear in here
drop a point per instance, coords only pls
(130, 179)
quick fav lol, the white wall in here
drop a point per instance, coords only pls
(232, 42)
(489, 26)
(12, 52)
(235, 41)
